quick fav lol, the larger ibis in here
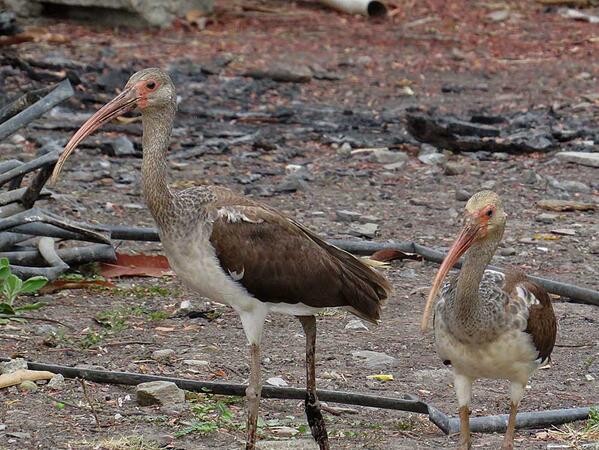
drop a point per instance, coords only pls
(488, 324)
(238, 251)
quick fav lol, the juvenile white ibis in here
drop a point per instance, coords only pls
(237, 251)
(488, 324)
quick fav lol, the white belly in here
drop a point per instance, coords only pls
(511, 356)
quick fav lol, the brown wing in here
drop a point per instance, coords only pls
(541, 322)
(280, 261)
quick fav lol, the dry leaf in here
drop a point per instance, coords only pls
(381, 377)
(546, 237)
(59, 285)
(136, 265)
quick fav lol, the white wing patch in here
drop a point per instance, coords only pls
(236, 275)
(233, 215)
(527, 296)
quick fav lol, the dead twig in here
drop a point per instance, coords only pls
(28, 317)
(89, 401)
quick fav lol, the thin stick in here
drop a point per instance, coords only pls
(89, 401)
(42, 319)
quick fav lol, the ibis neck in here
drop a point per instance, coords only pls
(157, 128)
(476, 260)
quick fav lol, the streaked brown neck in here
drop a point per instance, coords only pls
(476, 260)
(157, 128)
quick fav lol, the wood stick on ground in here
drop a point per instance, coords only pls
(89, 401)
(17, 377)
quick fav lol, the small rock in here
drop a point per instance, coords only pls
(196, 362)
(159, 393)
(28, 386)
(16, 139)
(508, 251)
(292, 182)
(499, 16)
(164, 355)
(431, 377)
(427, 149)
(575, 186)
(122, 146)
(432, 159)
(394, 166)
(185, 305)
(13, 365)
(56, 382)
(366, 219)
(45, 330)
(564, 231)
(454, 168)
(589, 377)
(344, 215)
(375, 360)
(583, 158)
(462, 195)
(287, 444)
(546, 218)
(367, 230)
(276, 381)
(285, 73)
(356, 324)
(594, 248)
(386, 156)
(488, 185)
(530, 177)
(344, 150)
(408, 273)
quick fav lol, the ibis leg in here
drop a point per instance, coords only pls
(312, 405)
(252, 394)
(516, 394)
(508, 440)
(463, 389)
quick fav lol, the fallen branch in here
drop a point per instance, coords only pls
(28, 317)
(17, 377)
(23, 102)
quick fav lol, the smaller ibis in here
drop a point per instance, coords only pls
(488, 324)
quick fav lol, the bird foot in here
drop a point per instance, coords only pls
(465, 445)
(507, 446)
(316, 421)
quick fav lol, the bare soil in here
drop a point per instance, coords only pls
(534, 60)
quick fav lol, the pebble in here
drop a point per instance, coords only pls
(427, 149)
(462, 195)
(394, 166)
(432, 159)
(159, 393)
(344, 150)
(28, 386)
(164, 355)
(56, 382)
(16, 139)
(288, 444)
(575, 186)
(454, 168)
(386, 156)
(196, 362)
(408, 273)
(292, 182)
(44, 330)
(344, 215)
(356, 324)
(374, 360)
(276, 381)
(367, 219)
(546, 218)
(13, 365)
(488, 185)
(367, 230)
(589, 377)
(508, 251)
(499, 16)
(594, 248)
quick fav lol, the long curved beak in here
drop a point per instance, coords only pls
(121, 104)
(463, 242)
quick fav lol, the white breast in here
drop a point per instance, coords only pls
(511, 356)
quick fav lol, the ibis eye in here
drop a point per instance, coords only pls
(151, 85)
(489, 213)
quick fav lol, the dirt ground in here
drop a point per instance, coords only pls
(453, 58)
